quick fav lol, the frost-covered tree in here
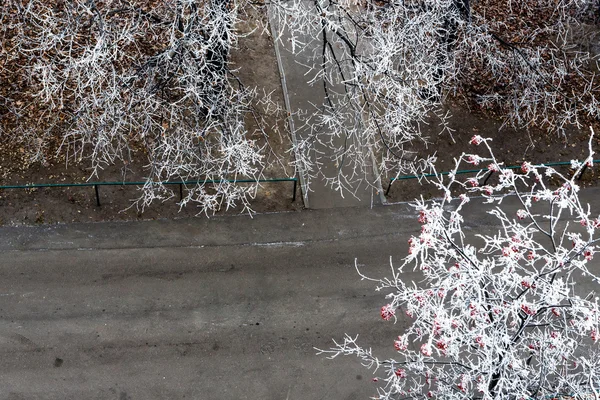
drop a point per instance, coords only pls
(112, 77)
(388, 66)
(495, 316)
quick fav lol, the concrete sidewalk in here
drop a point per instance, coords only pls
(347, 223)
(303, 101)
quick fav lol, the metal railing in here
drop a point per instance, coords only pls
(180, 183)
(474, 171)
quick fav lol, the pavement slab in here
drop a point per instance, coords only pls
(304, 100)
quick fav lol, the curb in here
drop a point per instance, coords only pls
(286, 99)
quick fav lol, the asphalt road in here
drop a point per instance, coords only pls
(226, 308)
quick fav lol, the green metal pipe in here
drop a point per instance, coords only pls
(195, 182)
(471, 171)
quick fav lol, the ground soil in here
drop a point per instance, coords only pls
(257, 65)
(54, 205)
(511, 146)
(255, 62)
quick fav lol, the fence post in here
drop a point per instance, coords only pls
(582, 171)
(97, 195)
(488, 177)
(389, 187)
(295, 187)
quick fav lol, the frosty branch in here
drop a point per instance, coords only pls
(495, 315)
(387, 67)
(116, 77)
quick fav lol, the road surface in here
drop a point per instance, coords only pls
(226, 308)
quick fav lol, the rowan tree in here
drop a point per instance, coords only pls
(495, 315)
